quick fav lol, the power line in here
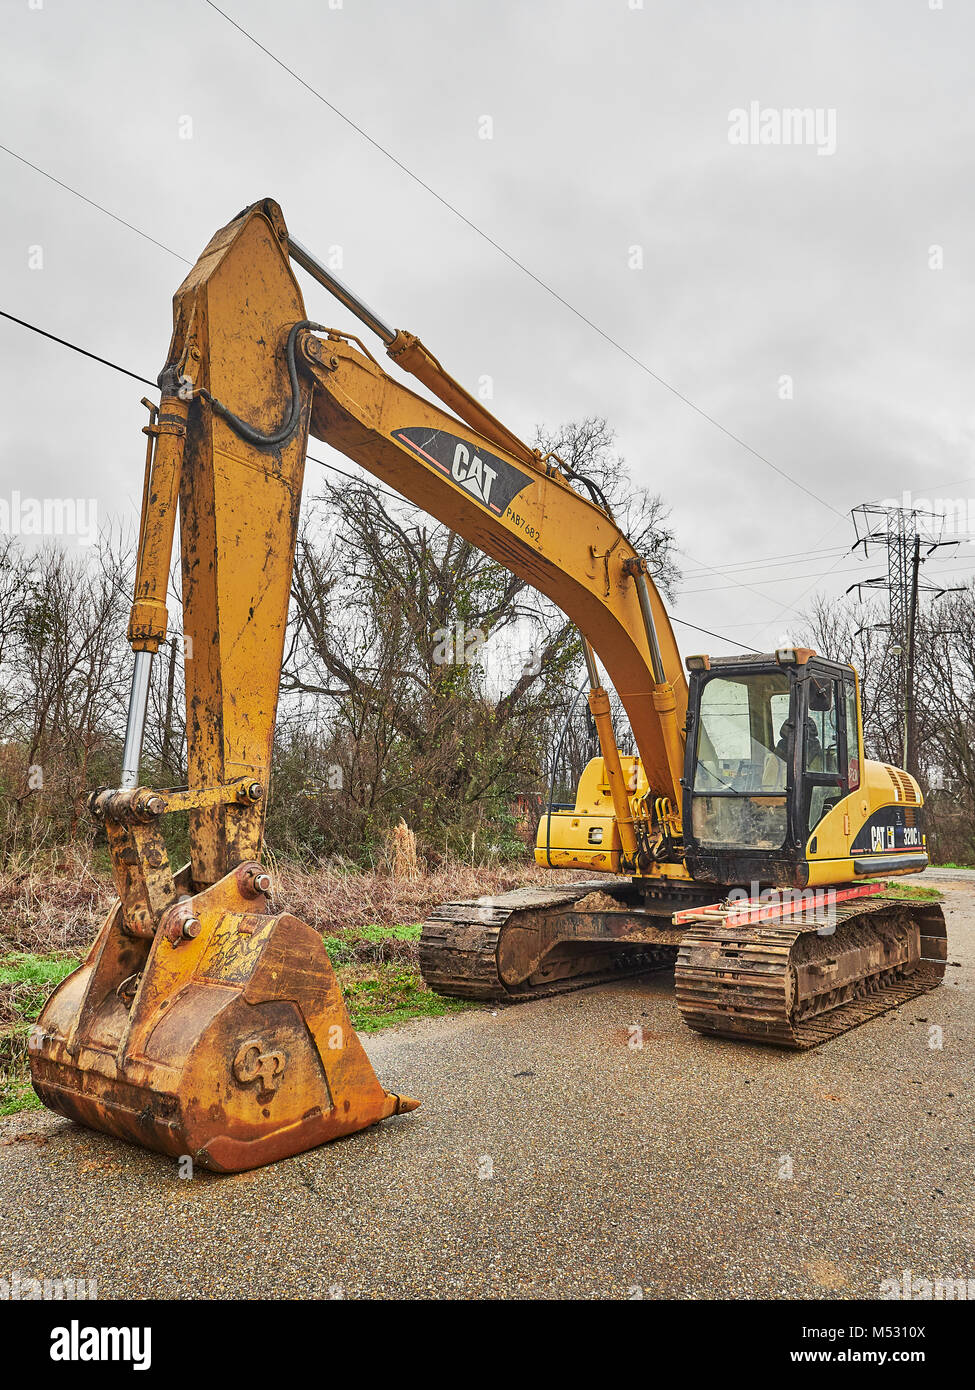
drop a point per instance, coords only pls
(783, 578)
(740, 584)
(721, 638)
(548, 289)
(116, 367)
(368, 482)
(396, 497)
(105, 362)
(75, 348)
(931, 487)
(769, 561)
(186, 261)
(784, 608)
(91, 203)
(822, 574)
(485, 236)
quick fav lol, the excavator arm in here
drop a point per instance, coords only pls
(239, 318)
(518, 509)
(247, 377)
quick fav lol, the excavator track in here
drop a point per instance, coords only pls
(462, 947)
(790, 985)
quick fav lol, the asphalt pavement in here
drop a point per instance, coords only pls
(585, 1146)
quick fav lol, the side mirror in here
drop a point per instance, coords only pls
(820, 696)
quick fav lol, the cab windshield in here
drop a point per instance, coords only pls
(742, 756)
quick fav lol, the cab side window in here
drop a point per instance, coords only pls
(822, 753)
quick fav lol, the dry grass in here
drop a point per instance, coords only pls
(56, 904)
(402, 852)
(334, 898)
(51, 909)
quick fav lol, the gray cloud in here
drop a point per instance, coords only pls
(610, 130)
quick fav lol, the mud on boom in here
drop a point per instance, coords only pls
(207, 1022)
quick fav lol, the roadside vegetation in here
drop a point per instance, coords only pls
(370, 922)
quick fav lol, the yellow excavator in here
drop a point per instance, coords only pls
(748, 842)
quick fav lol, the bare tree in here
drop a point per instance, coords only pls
(63, 654)
(448, 678)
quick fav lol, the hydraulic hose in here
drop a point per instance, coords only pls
(290, 423)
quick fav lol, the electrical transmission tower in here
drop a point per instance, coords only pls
(910, 535)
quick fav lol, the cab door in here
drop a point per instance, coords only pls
(830, 747)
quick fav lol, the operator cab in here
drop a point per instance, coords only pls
(773, 743)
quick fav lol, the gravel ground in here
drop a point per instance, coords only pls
(552, 1159)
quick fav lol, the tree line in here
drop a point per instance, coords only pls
(421, 680)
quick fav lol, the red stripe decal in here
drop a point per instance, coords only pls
(417, 449)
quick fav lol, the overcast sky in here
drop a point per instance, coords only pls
(610, 127)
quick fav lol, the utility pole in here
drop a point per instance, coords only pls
(905, 532)
(910, 713)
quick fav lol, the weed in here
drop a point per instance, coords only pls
(384, 996)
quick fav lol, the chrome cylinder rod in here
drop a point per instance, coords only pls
(591, 670)
(303, 257)
(135, 726)
(656, 660)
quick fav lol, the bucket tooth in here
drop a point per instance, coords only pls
(233, 1047)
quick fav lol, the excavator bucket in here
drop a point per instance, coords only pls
(223, 1037)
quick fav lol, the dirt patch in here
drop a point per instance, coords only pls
(33, 1137)
(598, 902)
(826, 1274)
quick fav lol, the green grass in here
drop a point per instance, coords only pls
(382, 993)
(378, 994)
(912, 893)
(25, 982)
(17, 1095)
(951, 865)
(389, 995)
(377, 933)
(38, 973)
(348, 948)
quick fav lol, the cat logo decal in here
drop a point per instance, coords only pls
(489, 479)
